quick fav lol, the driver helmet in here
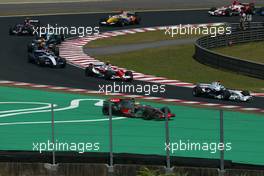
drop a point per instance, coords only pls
(42, 44)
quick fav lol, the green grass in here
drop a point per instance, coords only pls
(252, 51)
(141, 37)
(176, 62)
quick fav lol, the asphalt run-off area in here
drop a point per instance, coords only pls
(25, 119)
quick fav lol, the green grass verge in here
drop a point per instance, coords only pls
(176, 62)
(143, 37)
(252, 51)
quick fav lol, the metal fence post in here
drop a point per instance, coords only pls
(168, 169)
(53, 134)
(222, 152)
(111, 167)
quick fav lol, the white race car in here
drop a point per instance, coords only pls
(108, 72)
(218, 91)
(236, 8)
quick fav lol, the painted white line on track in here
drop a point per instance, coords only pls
(64, 121)
(47, 105)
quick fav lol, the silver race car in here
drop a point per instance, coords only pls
(218, 91)
(46, 58)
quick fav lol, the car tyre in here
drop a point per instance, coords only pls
(197, 91)
(245, 93)
(105, 111)
(226, 94)
(89, 71)
(11, 31)
(108, 74)
(228, 12)
(130, 74)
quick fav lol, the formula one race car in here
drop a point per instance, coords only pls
(46, 58)
(130, 108)
(27, 28)
(55, 39)
(236, 8)
(108, 72)
(122, 19)
(218, 91)
(42, 45)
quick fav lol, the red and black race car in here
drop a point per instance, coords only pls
(130, 108)
(236, 8)
(108, 72)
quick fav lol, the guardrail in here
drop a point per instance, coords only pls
(251, 25)
(206, 56)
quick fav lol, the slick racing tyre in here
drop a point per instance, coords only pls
(226, 94)
(121, 23)
(130, 75)
(63, 65)
(108, 74)
(213, 9)
(105, 110)
(245, 93)
(30, 48)
(228, 12)
(11, 31)
(56, 51)
(89, 71)
(30, 58)
(163, 110)
(197, 91)
(138, 20)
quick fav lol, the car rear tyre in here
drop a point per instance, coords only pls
(11, 31)
(56, 51)
(226, 95)
(197, 91)
(130, 75)
(108, 74)
(245, 93)
(105, 111)
(30, 58)
(228, 12)
(89, 71)
(213, 9)
(29, 48)
(63, 65)
(138, 20)
(163, 110)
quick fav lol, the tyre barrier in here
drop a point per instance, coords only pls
(204, 55)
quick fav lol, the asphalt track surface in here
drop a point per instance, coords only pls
(14, 65)
(111, 5)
